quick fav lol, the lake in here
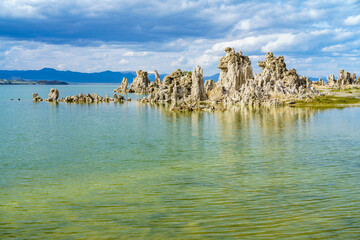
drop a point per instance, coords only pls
(140, 171)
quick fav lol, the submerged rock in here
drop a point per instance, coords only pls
(80, 98)
(36, 98)
(118, 98)
(91, 98)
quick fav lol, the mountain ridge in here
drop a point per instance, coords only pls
(51, 74)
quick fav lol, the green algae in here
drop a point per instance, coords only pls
(327, 101)
(346, 90)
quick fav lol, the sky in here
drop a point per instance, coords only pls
(316, 37)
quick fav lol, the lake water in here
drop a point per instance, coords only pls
(137, 171)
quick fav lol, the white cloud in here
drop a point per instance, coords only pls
(320, 32)
(61, 66)
(180, 61)
(352, 20)
(123, 61)
(282, 42)
(308, 32)
(323, 24)
(22, 55)
(135, 54)
(333, 48)
(263, 43)
(205, 60)
(43, 8)
(19, 8)
(91, 8)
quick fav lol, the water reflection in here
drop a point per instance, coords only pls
(141, 171)
(271, 120)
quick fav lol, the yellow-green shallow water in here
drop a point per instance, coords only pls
(134, 171)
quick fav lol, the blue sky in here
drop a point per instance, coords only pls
(316, 37)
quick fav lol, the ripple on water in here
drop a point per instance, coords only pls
(142, 172)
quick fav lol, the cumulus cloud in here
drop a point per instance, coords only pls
(352, 20)
(264, 43)
(123, 61)
(118, 35)
(135, 54)
(281, 42)
(18, 9)
(24, 55)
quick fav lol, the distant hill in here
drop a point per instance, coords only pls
(23, 82)
(51, 74)
(214, 77)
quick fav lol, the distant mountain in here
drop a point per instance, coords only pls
(214, 77)
(316, 79)
(23, 82)
(51, 74)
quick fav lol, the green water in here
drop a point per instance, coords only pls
(135, 171)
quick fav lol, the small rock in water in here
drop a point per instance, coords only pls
(53, 95)
(123, 87)
(36, 97)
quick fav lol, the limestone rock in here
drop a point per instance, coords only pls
(344, 78)
(353, 78)
(140, 83)
(123, 87)
(235, 70)
(171, 78)
(118, 98)
(209, 85)
(53, 95)
(197, 88)
(174, 97)
(217, 93)
(157, 78)
(91, 98)
(163, 93)
(319, 82)
(36, 97)
(330, 80)
(274, 85)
